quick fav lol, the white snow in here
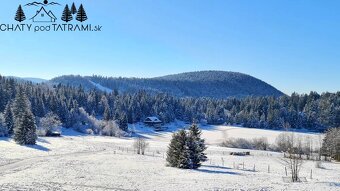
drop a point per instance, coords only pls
(80, 162)
(100, 87)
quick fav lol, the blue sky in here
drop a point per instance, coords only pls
(292, 44)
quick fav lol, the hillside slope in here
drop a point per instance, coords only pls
(215, 84)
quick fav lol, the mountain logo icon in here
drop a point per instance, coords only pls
(43, 16)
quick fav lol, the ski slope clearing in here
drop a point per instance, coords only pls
(80, 162)
(100, 87)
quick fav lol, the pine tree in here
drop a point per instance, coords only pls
(81, 15)
(107, 113)
(9, 118)
(25, 129)
(178, 153)
(184, 157)
(3, 127)
(20, 104)
(123, 122)
(20, 15)
(73, 9)
(67, 15)
(196, 147)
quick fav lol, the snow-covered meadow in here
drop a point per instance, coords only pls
(81, 162)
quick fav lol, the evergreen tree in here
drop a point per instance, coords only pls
(123, 122)
(9, 119)
(20, 104)
(178, 153)
(107, 114)
(196, 147)
(25, 129)
(20, 15)
(81, 15)
(174, 151)
(73, 9)
(3, 127)
(67, 15)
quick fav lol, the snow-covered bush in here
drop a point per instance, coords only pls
(111, 128)
(49, 124)
(318, 164)
(331, 144)
(84, 122)
(240, 143)
(89, 124)
(260, 143)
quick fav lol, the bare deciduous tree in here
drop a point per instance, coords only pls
(283, 142)
(140, 145)
(293, 160)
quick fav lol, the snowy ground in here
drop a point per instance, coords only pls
(79, 162)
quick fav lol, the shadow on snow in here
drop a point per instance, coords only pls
(216, 170)
(38, 147)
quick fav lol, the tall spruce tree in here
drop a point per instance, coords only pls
(196, 147)
(73, 9)
(178, 153)
(107, 113)
(20, 104)
(123, 122)
(20, 15)
(67, 15)
(3, 127)
(81, 15)
(9, 119)
(24, 121)
(25, 129)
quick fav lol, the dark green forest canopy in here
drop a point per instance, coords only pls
(308, 111)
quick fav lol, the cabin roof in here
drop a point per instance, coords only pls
(153, 119)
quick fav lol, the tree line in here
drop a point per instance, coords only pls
(71, 105)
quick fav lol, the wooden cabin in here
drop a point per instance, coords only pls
(153, 122)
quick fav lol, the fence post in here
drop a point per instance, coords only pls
(268, 168)
(254, 168)
(311, 173)
(286, 171)
(243, 165)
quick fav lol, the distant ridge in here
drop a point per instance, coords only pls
(28, 79)
(214, 84)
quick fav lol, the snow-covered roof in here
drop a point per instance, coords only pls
(153, 119)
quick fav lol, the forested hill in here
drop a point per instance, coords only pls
(74, 105)
(214, 84)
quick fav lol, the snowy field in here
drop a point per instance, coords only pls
(79, 162)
